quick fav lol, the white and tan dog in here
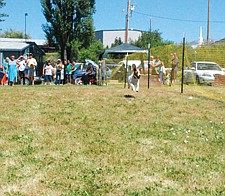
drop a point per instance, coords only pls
(133, 80)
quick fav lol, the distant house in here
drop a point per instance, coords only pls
(107, 37)
(17, 47)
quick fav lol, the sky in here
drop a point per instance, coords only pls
(172, 19)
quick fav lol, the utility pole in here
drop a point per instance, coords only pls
(150, 25)
(127, 21)
(25, 26)
(208, 24)
(182, 79)
(149, 53)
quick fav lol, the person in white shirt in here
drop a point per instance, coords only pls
(47, 71)
(31, 63)
(21, 65)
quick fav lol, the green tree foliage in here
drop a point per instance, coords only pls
(117, 42)
(49, 33)
(69, 20)
(92, 52)
(14, 34)
(2, 4)
(75, 48)
(154, 38)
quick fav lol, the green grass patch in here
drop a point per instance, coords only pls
(92, 140)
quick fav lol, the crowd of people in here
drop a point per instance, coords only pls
(62, 72)
(67, 72)
(13, 70)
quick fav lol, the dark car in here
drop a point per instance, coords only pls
(82, 70)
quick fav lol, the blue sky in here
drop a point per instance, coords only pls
(171, 18)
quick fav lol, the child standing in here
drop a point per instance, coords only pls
(47, 71)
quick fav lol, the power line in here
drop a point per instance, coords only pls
(177, 19)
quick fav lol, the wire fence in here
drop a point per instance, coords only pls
(212, 53)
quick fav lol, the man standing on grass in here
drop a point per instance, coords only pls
(173, 75)
(31, 63)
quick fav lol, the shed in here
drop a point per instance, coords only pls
(17, 47)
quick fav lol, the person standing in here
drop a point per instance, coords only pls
(158, 68)
(12, 71)
(174, 70)
(58, 67)
(62, 81)
(21, 65)
(103, 70)
(68, 71)
(64, 76)
(31, 63)
(2, 74)
(48, 69)
(75, 70)
(152, 61)
(6, 68)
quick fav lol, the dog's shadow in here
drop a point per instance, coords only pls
(129, 96)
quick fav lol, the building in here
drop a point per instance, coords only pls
(107, 37)
(17, 47)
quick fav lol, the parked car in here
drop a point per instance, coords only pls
(202, 72)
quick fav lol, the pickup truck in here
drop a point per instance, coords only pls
(202, 72)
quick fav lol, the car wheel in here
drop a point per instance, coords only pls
(197, 79)
(27, 81)
(185, 80)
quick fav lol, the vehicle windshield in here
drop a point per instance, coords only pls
(84, 67)
(208, 66)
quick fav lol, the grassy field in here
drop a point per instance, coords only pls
(93, 140)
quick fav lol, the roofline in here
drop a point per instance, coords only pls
(21, 49)
(8, 49)
(120, 30)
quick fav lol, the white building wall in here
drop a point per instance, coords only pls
(109, 36)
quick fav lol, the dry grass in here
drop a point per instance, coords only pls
(92, 140)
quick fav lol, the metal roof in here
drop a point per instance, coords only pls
(13, 46)
(125, 48)
(39, 42)
(122, 49)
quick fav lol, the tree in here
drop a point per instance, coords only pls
(2, 4)
(14, 34)
(154, 38)
(69, 20)
(92, 52)
(117, 42)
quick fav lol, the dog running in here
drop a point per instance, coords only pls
(133, 79)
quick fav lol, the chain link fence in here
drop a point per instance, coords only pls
(212, 53)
